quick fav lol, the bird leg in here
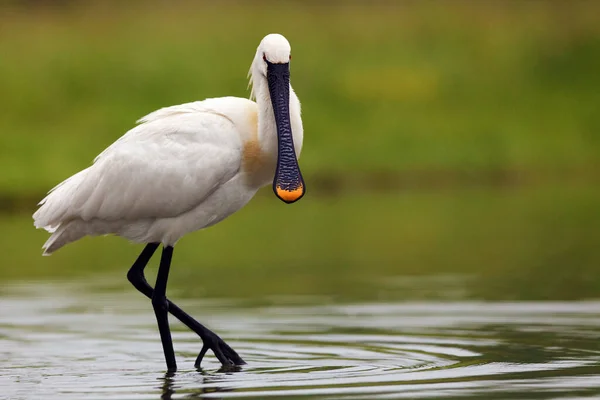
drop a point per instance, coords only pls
(225, 354)
(161, 307)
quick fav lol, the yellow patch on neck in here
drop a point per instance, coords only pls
(253, 157)
(253, 122)
(257, 165)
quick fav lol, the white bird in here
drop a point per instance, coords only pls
(184, 168)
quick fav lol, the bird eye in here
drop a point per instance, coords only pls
(264, 57)
(290, 57)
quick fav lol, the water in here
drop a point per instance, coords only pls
(75, 341)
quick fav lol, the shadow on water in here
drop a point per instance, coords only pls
(75, 342)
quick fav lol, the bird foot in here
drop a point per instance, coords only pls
(228, 357)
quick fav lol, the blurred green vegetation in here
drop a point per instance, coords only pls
(440, 138)
(398, 86)
(511, 244)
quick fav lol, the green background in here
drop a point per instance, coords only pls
(452, 139)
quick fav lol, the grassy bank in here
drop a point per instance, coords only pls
(514, 244)
(399, 86)
(454, 138)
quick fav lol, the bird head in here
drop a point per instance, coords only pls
(272, 61)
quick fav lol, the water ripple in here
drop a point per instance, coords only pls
(60, 342)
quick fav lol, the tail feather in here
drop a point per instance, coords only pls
(53, 215)
(75, 229)
(61, 236)
(55, 207)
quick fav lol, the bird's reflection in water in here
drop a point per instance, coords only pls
(170, 384)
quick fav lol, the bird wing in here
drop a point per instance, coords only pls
(159, 169)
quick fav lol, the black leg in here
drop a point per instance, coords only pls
(136, 272)
(161, 307)
(226, 355)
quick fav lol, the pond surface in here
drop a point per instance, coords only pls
(76, 341)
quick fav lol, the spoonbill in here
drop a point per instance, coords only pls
(181, 169)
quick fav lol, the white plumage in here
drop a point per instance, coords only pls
(182, 169)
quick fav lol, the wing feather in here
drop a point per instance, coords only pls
(159, 169)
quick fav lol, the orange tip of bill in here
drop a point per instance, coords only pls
(290, 196)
